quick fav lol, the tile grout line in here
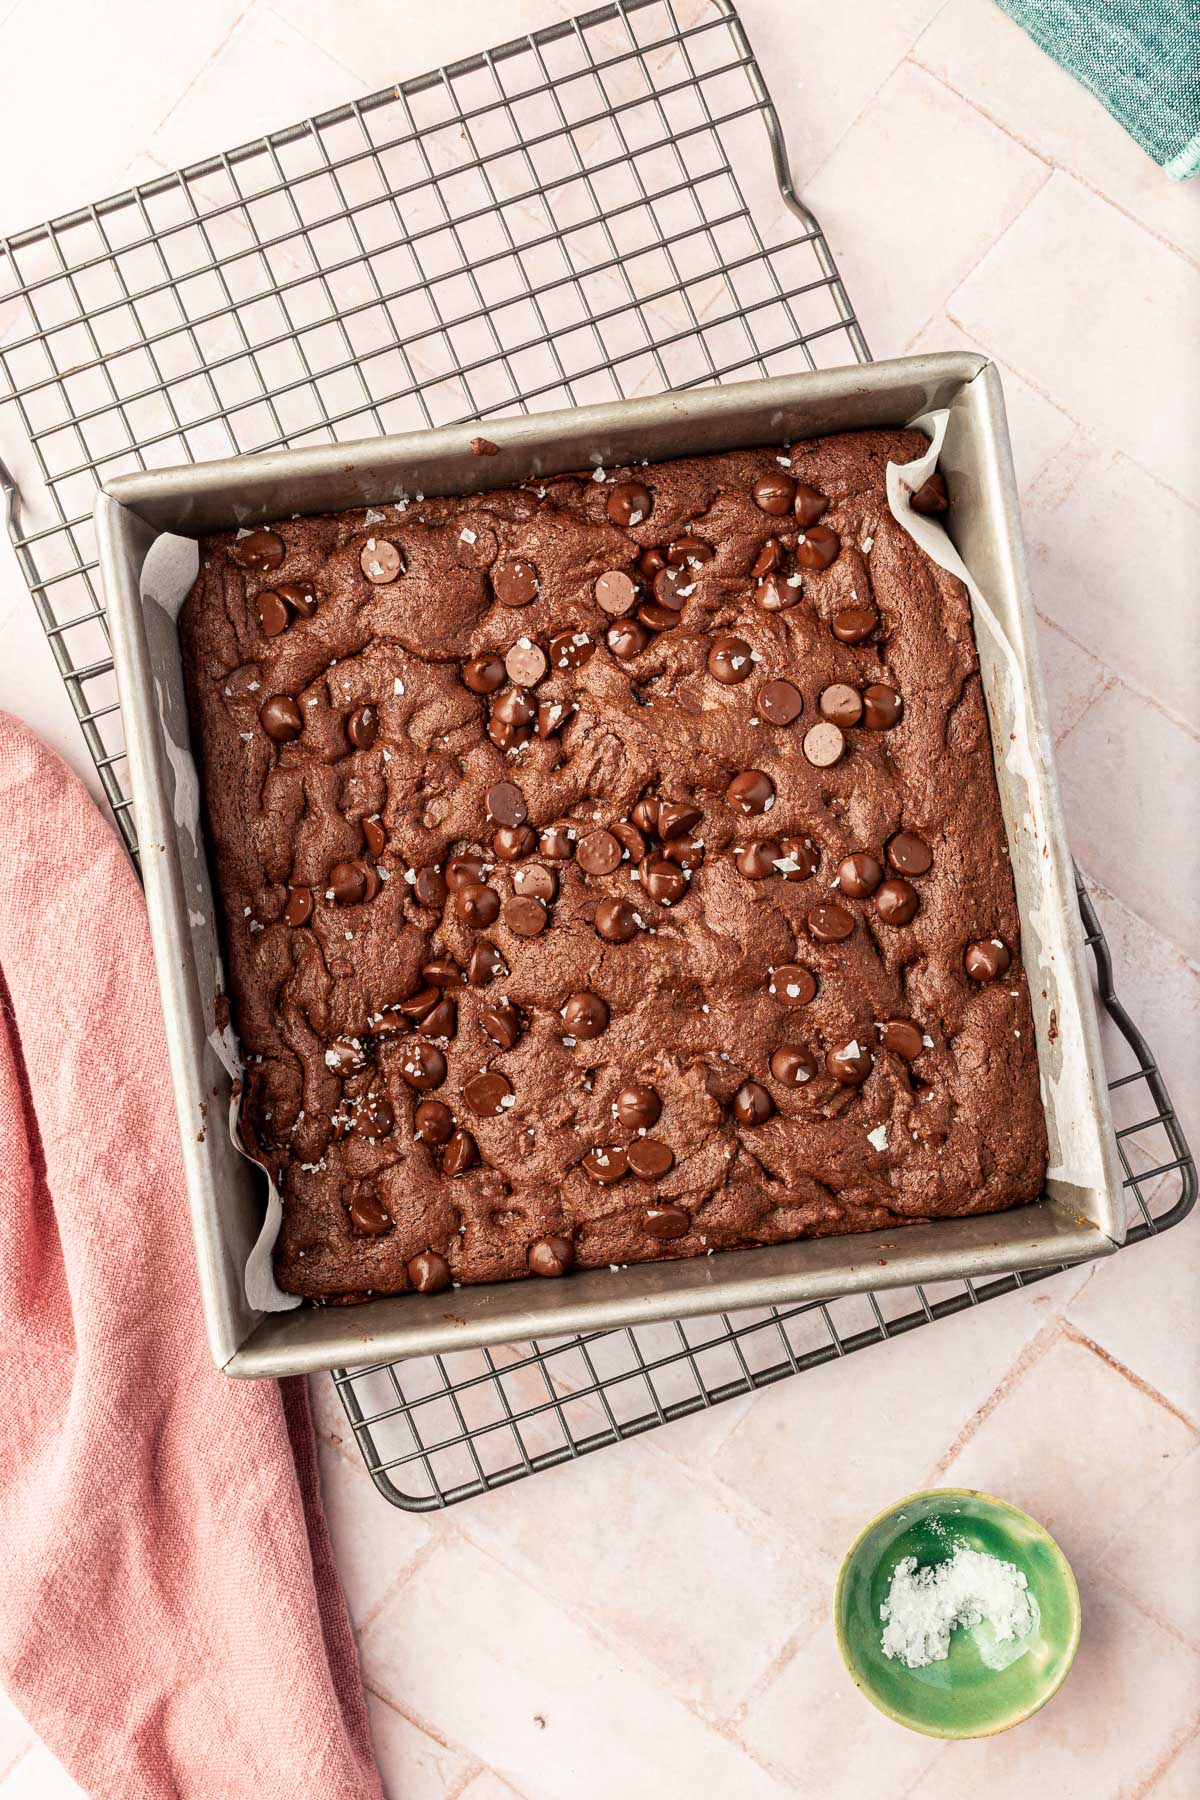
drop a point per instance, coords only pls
(1144, 1387)
(435, 1736)
(1163, 1767)
(214, 53)
(1116, 678)
(1094, 882)
(1030, 1354)
(1147, 1612)
(1048, 157)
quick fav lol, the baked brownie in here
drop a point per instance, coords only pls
(611, 868)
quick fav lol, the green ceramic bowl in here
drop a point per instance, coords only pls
(960, 1697)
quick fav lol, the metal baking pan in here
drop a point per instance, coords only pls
(1081, 1214)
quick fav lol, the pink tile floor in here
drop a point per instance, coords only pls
(654, 1622)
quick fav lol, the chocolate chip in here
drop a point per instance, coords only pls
(460, 1155)
(484, 963)
(987, 959)
(429, 888)
(463, 871)
(556, 844)
(688, 550)
(932, 496)
(802, 860)
(298, 908)
(629, 502)
(823, 744)
(525, 915)
(552, 715)
(628, 639)
(434, 1121)
(376, 1118)
(300, 596)
(910, 854)
(793, 984)
(506, 804)
(362, 727)
(859, 875)
(841, 704)
(281, 718)
(792, 1065)
(486, 1093)
(776, 595)
(664, 881)
(672, 587)
(422, 1065)
(769, 558)
(483, 674)
(368, 1214)
(477, 905)
(607, 1165)
(658, 618)
(514, 707)
(442, 1022)
(665, 1222)
(259, 550)
(650, 1159)
(645, 815)
(849, 1064)
(585, 1015)
(902, 1038)
(512, 842)
(515, 583)
(830, 924)
(550, 1256)
(729, 660)
(854, 624)
(684, 853)
(418, 1005)
(429, 1272)
(345, 1056)
(674, 818)
(810, 505)
(273, 615)
(616, 593)
(756, 860)
(535, 881)
(774, 492)
(897, 902)
(752, 1105)
(882, 707)
(508, 737)
(638, 1107)
(526, 663)
(779, 702)
(751, 792)
(571, 649)
(616, 921)
(650, 562)
(443, 973)
(599, 853)
(348, 882)
(630, 839)
(817, 547)
(501, 1023)
(381, 561)
(374, 838)
(481, 446)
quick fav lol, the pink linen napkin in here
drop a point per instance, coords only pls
(171, 1621)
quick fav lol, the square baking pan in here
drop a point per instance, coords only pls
(1080, 1214)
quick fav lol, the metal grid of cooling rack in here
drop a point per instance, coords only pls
(581, 215)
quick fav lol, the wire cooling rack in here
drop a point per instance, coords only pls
(584, 214)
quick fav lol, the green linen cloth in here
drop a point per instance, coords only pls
(1141, 59)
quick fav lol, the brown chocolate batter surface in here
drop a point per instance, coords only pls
(784, 1043)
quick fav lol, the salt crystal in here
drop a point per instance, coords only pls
(878, 1138)
(597, 474)
(397, 686)
(466, 535)
(985, 1596)
(867, 542)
